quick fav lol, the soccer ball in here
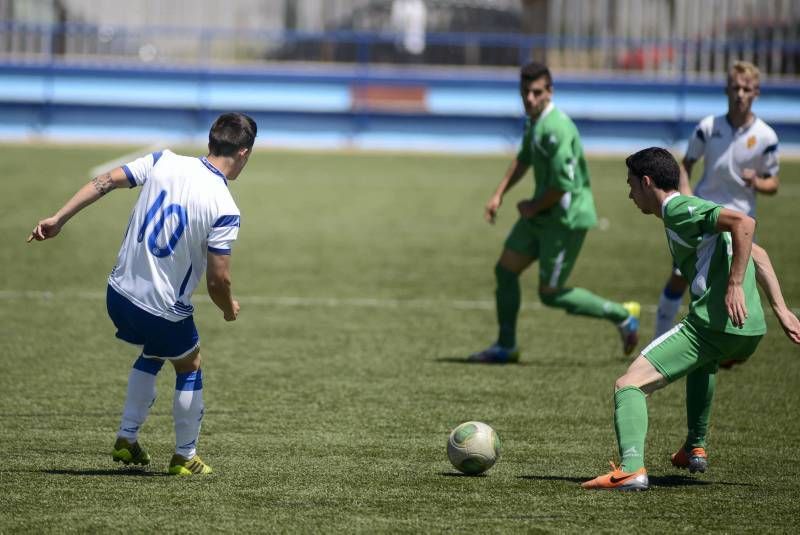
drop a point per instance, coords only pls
(473, 447)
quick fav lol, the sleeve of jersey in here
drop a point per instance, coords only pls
(769, 165)
(138, 171)
(223, 233)
(706, 214)
(697, 143)
(562, 164)
(524, 153)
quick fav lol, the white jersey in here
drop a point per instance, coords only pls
(183, 211)
(727, 151)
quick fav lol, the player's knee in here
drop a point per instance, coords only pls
(503, 274)
(622, 382)
(189, 363)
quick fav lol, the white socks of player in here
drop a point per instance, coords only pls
(141, 396)
(187, 410)
(668, 306)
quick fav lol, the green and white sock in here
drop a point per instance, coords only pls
(630, 421)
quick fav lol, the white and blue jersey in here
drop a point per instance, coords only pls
(728, 151)
(184, 211)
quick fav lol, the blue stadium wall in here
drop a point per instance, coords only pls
(370, 108)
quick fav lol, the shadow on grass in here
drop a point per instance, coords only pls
(463, 360)
(459, 474)
(556, 478)
(688, 481)
(135, 472)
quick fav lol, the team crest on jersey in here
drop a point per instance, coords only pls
(751, 142)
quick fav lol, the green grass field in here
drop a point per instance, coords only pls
(364, 281)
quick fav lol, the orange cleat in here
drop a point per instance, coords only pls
(696, 459)
(616, 479)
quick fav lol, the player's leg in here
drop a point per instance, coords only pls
(559, 254)
(670, 302)
(140, 397)
(700, 388)
(187, 411)
(666, 359)
(520, 251)
(630, 424)
(141, 391)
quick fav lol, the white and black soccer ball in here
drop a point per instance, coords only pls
(473, 447)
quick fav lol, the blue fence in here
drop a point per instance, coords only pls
(363, 108)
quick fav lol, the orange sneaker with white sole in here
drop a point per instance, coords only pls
(616, 479)
(696, 459)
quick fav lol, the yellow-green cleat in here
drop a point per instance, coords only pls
(629, 329)
(126, 452)
(181, 466)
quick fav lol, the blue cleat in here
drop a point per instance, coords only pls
(496, 354)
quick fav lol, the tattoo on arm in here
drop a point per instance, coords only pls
(103, 184)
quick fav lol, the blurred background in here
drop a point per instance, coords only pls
(433, 75)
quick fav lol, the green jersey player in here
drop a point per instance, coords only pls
(552, 225)
(713, 248)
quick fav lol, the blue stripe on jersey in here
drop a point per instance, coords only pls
(180, 306)
(151, 366)
(771, 148)
(701, 135)
(129, 175)
(182, 310)
(227, 221)
(219, 251)
(189, 380)
(210, 167)
(185, 282)
(156, 157)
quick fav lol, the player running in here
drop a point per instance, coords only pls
(552, 225)
(741, 159)
(184, 221)
(712, 247)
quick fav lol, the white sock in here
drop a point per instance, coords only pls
(668, 306)
(187, 410)
(141, 396)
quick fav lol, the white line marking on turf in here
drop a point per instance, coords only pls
(125, 158)
(330, 302)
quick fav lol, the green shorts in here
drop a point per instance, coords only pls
(556, 249)
(687, 347)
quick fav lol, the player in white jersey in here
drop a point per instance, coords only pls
(184, 223)
(740, 152)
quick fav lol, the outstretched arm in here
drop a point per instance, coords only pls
(514, 172)
(741, 228)
(768, 280)
(89, 193)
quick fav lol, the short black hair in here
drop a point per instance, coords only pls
(658, 164)
(231, 132)
(533, 71)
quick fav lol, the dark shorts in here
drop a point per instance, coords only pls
(159, 337)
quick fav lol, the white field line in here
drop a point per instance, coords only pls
(328, 302)
(122, 160)
(262, 300)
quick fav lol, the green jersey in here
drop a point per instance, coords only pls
(704, 257)
(553, 147)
